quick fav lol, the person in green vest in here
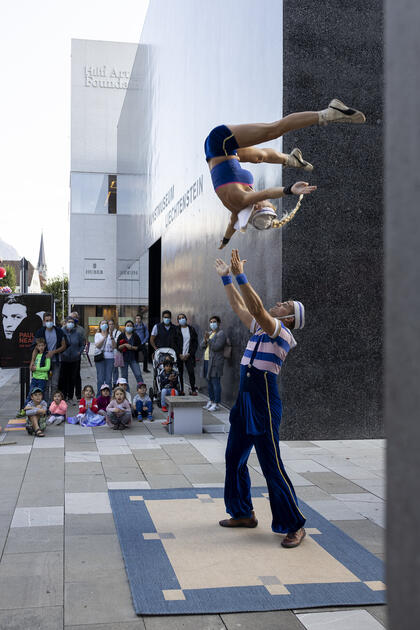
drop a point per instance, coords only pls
(40, 367)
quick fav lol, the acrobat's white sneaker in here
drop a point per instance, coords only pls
(208, 405)
(295, 160)
(338, 112)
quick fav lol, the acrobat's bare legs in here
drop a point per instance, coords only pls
(250, 134)
(337, 111)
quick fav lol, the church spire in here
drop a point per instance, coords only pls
(42, 264)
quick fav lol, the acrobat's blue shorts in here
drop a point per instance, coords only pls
(255, 421)
(220, 142)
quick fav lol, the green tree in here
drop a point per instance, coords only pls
(9, 279)
(55, 286)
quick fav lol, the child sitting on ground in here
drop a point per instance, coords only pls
(58, 409)
(122, 382)
(104, 399)
(88, 408)
(168, 382)
(36, 411)
(142, 403)
(40, 366)
(118, 412)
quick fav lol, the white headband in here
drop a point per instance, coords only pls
(299, 315)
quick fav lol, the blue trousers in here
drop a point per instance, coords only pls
(214, 386)
(103, 374)
(255, 421)
(135, 368)
(140, 410)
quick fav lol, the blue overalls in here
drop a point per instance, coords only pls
(255, 421)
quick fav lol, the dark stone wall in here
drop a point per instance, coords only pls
(333, 252)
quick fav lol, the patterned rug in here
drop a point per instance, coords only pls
(180, 561)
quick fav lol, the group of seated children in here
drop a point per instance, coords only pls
(117, 411)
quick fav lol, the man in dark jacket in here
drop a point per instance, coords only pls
(187, 342)
(56, 344)
(164, 334)
(70, 359)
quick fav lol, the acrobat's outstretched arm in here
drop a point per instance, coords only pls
(235, 299)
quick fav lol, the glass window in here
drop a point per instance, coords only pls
(93, 193)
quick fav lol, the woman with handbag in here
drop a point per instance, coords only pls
(103, 355)
(118, 358)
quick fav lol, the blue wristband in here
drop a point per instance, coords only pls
(241, 278)
(227, 279)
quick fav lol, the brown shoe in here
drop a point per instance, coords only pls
(293, 539)
(239, 522)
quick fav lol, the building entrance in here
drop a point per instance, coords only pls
(155, 268)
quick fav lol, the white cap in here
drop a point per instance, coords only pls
(262, 218)
(104, 386)
(299, 315)
(122, 381)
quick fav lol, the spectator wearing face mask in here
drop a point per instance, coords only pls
(129, 344)
(213, 344)
(103, 355)
(164, 334)
(188, 342)
(82, 333)
(56, 345)
(70, 359)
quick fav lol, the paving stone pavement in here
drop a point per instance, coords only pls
(61, 565)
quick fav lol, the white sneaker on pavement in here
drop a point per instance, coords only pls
(208, 405)
(214, 407)
(338, 112)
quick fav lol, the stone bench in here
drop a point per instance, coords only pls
(187, 414)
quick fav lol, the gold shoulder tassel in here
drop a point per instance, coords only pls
(278, 223)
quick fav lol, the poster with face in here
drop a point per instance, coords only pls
(20, 317)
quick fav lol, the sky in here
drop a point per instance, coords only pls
(35, 48)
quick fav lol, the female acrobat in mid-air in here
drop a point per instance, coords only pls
(225, 147)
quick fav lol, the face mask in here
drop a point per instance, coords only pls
(76, 321)
(104, 326)
(69, 325)
(129, 329)
(166, 321)
(49, 324)
(182, 321)
(213, 325)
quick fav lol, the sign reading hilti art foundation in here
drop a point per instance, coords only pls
(106, 77)
(21, 316)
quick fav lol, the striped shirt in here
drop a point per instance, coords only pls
(272, 351)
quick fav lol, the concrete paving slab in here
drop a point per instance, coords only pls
(30, 539)
(202, 473)
(276, 620)
(128, 485)
(147, 455)
(334, 510)
(93, 557)
(90, 468)
(184, 622)
(87, 524)
(345, 620)
(375, 486)
(312, 492)
(81, 446)
(85, 483)
(119, 461)
(168, 481)
(38, 516)
(34, 494)
(305, 465)
(97, 602)
(76, 429)
(374, 511)
(125, 625)
(115, 473)
(159, 467)
(331, 482)
(87, 503)
(366, 533)
(79, 457)
(49, 442)
(15, 449)
(50, 618)
(31, 580)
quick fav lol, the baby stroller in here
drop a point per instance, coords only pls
(160, 356)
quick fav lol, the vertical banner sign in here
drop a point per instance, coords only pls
(21, 315)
